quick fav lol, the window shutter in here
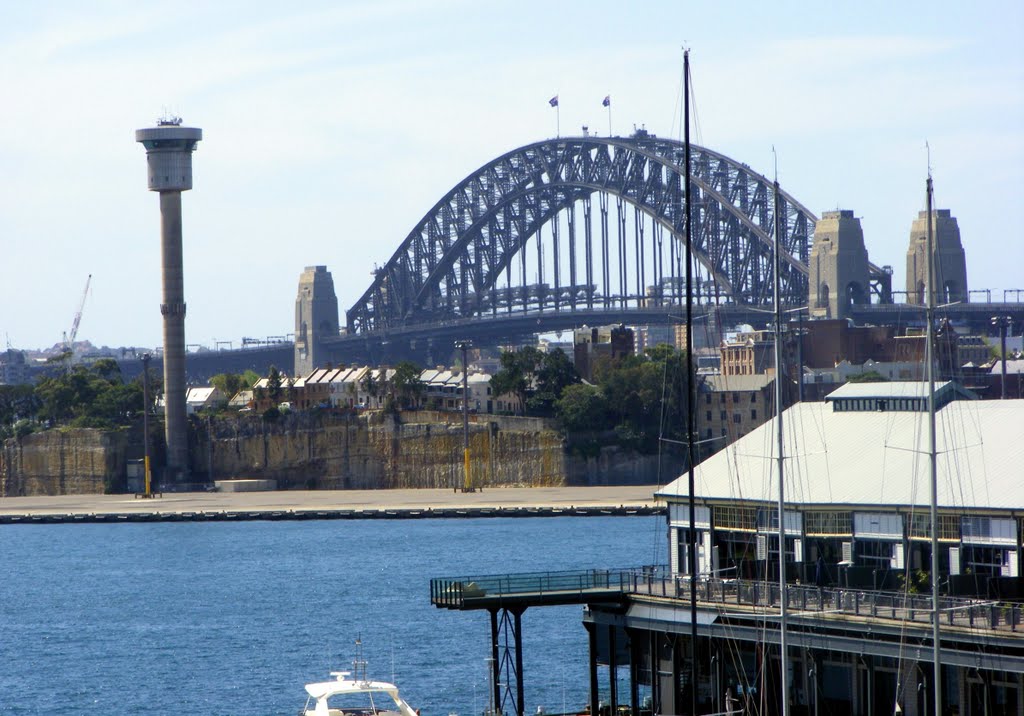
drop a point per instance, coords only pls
(673, 553)
(897, 556)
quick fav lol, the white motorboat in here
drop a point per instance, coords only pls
(346, 696)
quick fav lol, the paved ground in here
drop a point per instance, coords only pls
(298, 500)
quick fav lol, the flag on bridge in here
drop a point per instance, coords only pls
(553, 101)
(607, 101)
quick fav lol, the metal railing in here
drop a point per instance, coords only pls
(802, 600)
(454, 592)
(806, 600)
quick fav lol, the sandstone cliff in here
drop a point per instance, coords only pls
(369, 451)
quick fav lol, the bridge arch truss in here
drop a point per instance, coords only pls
(525, 234)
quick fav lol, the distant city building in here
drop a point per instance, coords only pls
(594, 346)
(14, 369)
(748, 353)
(729, 407)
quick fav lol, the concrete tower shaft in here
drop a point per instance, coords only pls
(950, 261)
(169, 150)
(838, 266)
(316, 318)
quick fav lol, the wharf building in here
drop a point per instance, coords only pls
(856, 555)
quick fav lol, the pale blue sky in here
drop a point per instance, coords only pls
(330, 128)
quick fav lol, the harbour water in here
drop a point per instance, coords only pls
(233, 618)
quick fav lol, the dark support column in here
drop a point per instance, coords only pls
(495, 687)
(814, 682)
(634, 672)
(592, 634)
(655, 661)
(519, 661)
(613, 667)
(676, 654)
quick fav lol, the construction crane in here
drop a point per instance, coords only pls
(69, 338)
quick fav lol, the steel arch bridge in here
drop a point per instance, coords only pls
(482, 250)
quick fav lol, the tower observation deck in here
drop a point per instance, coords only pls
(169, 148)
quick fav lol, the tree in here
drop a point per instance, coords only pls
(19, 406)
(228, 383)
(407, 385)
(516, 374)
(646, 397)
(89, 397)
(274, 383)
(371, 385)
(553, 374)
(582, 408)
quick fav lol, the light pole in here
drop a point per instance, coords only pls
(1002, 323)
(467, 485)
(145, 424)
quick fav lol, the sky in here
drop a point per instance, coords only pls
(331, 128)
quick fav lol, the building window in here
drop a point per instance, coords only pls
(707, 399)
(709, 416)
(736, 518)
(753, 398)
(735, 397)
(721, 416)
(736, 418)
(919, 526)
(753, 415)
(828, 523)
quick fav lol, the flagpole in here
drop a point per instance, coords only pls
(609, 118)
(558, 120)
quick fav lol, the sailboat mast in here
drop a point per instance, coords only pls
(933, 454)
(779, 461)
(690, 383)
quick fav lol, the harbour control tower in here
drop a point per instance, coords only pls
(169, 148)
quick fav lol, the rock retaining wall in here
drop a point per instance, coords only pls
(303, 450)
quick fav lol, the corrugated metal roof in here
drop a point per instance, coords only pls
(886, 389)
(199, 394)
(728, 383)
(1012, 366)
(875, 458)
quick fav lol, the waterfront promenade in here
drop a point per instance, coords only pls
(334, 504)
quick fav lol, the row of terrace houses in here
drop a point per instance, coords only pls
(363, 387)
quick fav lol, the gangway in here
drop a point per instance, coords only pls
(507, 596)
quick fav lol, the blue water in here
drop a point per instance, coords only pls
(233, 618)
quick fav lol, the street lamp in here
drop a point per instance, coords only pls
(1002, 323)
(467, 485)
(145, 424)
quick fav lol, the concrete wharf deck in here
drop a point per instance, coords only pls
(334, 504)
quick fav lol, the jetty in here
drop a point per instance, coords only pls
(334, 504)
